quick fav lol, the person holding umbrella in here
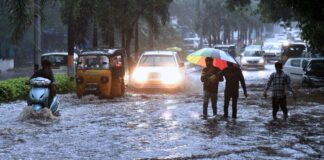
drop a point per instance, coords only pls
(210, 80)
(214, 60)
(233, 76)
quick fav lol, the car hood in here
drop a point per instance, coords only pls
(252, 58)
(157, 69)
(271, 51)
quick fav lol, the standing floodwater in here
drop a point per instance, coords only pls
(167, 126)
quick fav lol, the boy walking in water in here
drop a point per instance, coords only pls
(279, 80)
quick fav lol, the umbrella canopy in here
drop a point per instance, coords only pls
(220, 57)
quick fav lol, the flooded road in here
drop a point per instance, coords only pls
(167, 126)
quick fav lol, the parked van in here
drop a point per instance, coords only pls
(294, 67)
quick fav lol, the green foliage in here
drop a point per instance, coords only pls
(64, 84)
(14, 89)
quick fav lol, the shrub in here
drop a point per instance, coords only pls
(14, 89)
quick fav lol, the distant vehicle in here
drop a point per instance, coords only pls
(292, 50)
(253, 48)
(229, 48)
(252, 57)
(314, 73)
(272, 50)
(59, 61)
(281, 36)
(159, 69)
(191, 43)
(294, 67)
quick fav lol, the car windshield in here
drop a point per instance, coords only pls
(253, 47)
(253, 53)
(93, 62)
(157, 60)
(56, 60)
(271, 47)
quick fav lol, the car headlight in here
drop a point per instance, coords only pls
(171, 76)
(243, 60)
(140, 75)
(261, 60)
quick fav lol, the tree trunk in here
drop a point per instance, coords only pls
(123, 38)
(111, 37)
(151, 37)
(250, 36)
(129, 36)
(210, 40)
(95, 34)
(136, 42)
(37, 34)
(71, 40)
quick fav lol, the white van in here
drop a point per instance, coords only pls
(294, 67)
(59, 61)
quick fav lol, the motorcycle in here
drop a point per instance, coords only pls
(39, 96)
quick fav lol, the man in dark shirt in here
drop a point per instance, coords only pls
(233, 76)
(46, 72)
(210, 80)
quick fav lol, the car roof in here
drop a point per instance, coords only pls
(224, 45)
(55, 53)
(171, 53)
(307, 58)
(99, 51)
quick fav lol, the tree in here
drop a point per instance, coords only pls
(309, 15)
(23, 14)
(76, 14)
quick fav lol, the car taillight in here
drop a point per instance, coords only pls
(79, 80)
(104, 79)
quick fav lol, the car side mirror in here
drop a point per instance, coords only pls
(181, 64)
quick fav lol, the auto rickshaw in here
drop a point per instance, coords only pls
(100, 72)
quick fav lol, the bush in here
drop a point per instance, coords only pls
(15, 89)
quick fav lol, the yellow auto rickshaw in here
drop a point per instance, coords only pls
(100, 72)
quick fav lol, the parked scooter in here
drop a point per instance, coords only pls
(39, 96)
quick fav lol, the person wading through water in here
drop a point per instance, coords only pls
(210, 80)
(233, 76)
(279, 80)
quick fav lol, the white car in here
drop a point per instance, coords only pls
(294, 67)
(159, 69)
(272, 50)
(252, 58)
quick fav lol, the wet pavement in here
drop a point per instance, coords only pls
(167, 126)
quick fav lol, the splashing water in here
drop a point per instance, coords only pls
(44, 115)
